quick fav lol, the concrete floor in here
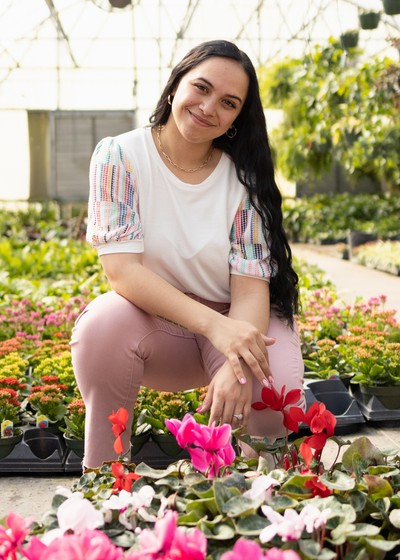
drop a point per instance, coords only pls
(32, 494)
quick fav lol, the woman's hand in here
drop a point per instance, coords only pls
(239, 339)
(226, 397)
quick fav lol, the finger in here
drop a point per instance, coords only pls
(207, 401)
(227, 416)
(256, 369)
(246, 413)
(237, 368)
(268, 340)
(216, 412)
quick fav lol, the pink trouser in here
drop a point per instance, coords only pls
(116, 347)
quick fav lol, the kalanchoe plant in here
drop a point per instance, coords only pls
(328, 361)
(9, 405)
(12, 365)
(48, 400)
(75, 419)
(162, 405)
(60, 366)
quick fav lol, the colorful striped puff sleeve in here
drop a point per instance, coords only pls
(113, 222)
(249, 254)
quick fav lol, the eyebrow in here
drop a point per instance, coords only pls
(227, 94)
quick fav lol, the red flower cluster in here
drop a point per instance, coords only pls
(119, 426)
(318, 488)
(124, 481)
(275, 401)
(322, 424)
(10, 396)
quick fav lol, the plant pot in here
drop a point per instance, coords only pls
(370, 20)
(391, 7)
(77, 445)
(389, 397)
(349, 41)
(167, 443)
(138, 441)
(54, 428)
(357, 238)
(8, 444)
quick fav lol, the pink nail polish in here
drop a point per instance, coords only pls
(197, 409)
(273, 338)
(271, 380)
(265, 382)
(242, 380)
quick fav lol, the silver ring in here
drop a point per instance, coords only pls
(238, 416)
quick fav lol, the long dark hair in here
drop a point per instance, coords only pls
(251, 154)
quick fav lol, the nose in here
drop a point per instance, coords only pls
(207, 106)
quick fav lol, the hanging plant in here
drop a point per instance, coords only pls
(391, 7)
(369, 20)
(349, 39)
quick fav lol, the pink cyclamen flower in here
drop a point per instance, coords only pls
(212, 444)
(12, 538)
(244, 549)
(277, 554)
(89, 545)
(170, 543)
(288, 526)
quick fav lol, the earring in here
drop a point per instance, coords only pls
(169, 99)
(233, 133)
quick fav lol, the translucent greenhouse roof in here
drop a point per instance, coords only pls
(87, 55)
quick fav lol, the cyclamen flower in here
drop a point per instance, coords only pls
(89, 545)
(289, 526)
(123, 481)
(314, 518)
(169, 542)
(275, 401)
(12, 538)
(261, 488)
(321, 421)
(119, 421)
(212, 447)
(138, 500)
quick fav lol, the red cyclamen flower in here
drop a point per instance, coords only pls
(123, 481)
(318, 488)
(275, 401)
(322, 424)
(119, 426)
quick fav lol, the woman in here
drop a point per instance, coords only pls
(187, 220)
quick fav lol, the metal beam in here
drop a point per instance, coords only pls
(60, 29)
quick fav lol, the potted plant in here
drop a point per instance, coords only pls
(329, 361)
(349, 39)
(48, 403)
(74, 433)
(9, 408)
(369, 19)
(163, 405)
(391, 7)
(379, 376)
(141, 430)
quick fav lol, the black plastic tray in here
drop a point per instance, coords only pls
(375, 413)
(39, 451)
(337, 400)
(43, 452)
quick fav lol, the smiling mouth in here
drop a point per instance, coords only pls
(199, 120)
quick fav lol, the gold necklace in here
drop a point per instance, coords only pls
(161, 127)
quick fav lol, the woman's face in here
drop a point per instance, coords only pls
(208, 99)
